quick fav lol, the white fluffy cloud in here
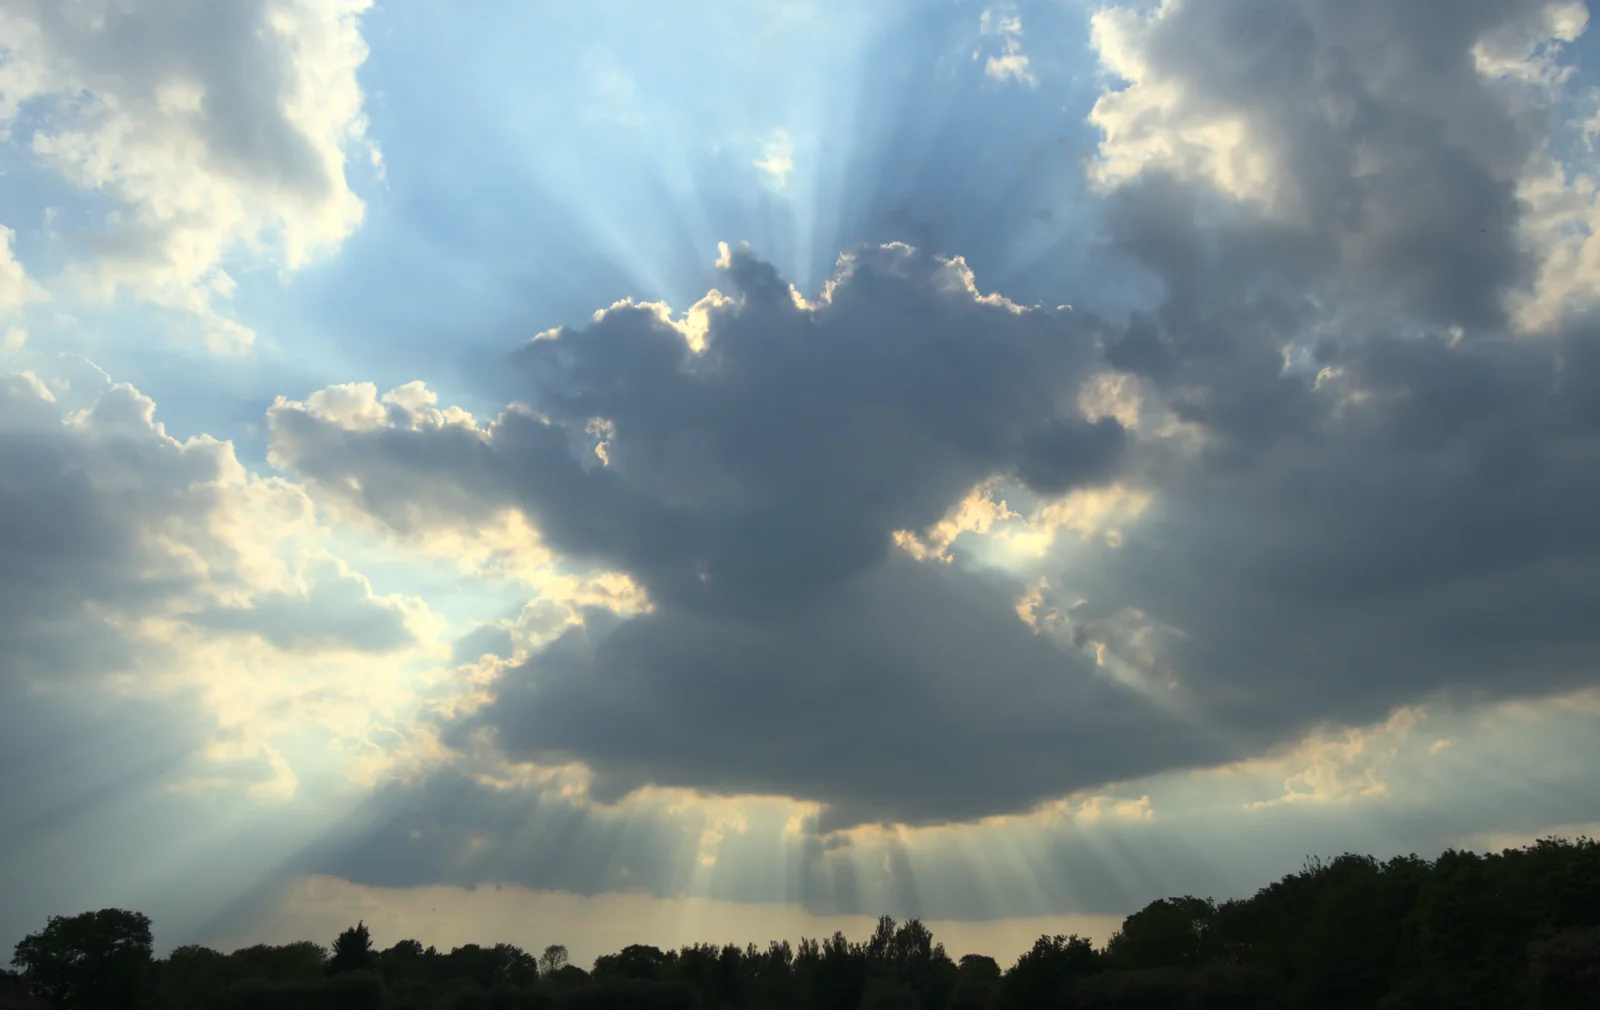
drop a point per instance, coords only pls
(16, 287)
(1010, 63)
(215, 129)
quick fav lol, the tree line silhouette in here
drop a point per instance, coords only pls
(1517, 929)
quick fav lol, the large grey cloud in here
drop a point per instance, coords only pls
(1385, 500)
(754, 491)
(774, 465)
(1385, 147)
(1399, 513)
(913, 694)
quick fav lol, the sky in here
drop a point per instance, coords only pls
(660, 473)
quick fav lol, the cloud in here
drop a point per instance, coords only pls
(777, 159)
(1290, 547)
(214, 131)
(108, 521)
(332, 608)
(1381, 510)
(899, 595)
(16, 287)
(1345, 766)
(1012, 64)
(164, 572)
(719, 488)
(1321, 478)
(754, 491)
(1383, 788)
(1382, 157)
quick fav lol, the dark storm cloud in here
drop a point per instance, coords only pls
(773, 466)
(1434, 538)
(754, 490)
(1393, 160)
(779, 463)
(1399, 513)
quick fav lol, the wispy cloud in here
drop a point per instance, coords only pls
(1011, 63)
(777, 158)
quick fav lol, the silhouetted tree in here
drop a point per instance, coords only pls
(622, 993)
(352, 951)
(1518, 930)
(1041, 976)
(301, 960)
(552, 960)
(568, 976)
(979, 968)
(358, 990)
(887, 994)
(189, 976)
(93, 961)
(407, 959)
(637, 960)
(977, 983)
(1566, 969)
(840, 974)
(503, 964)
(1167, 933)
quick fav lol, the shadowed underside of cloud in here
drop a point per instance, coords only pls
(1518, 776)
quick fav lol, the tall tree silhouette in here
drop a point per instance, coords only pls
(352, 951)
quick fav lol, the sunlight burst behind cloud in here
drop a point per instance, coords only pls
(663, 470)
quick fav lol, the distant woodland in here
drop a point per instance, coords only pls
(1520, 929)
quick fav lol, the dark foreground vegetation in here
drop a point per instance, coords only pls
(1516, 930)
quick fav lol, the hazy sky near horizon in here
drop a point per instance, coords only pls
(631, 472)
